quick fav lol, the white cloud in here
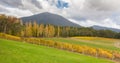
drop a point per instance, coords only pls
(15, 11)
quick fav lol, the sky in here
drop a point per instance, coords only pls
(84, 12)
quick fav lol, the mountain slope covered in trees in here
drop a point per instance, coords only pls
(54, 19)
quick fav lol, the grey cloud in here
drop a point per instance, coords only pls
(100, 9)
(103, 5)
(80, 10)
(36, 3)
(97, 5)
(11, 3)
(3, 9)
(31, 5)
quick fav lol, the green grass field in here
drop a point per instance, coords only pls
(96, 42)
(19, 52)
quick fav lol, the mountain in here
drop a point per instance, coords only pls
(105, 28)
(49, 18)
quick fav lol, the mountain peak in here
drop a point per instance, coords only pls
(49, 18)
(46, 13)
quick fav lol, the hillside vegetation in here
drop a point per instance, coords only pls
(12, 28)
(96, 52)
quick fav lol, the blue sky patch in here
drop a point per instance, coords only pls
(61, 4)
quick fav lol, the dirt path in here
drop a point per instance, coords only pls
(117, 44)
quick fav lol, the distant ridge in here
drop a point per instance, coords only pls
(105, 28)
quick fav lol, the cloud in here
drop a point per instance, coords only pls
(93, 9)
(93, 12)
(85, 12)
(14, 11)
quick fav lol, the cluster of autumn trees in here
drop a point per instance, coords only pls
(32, 29)
(36, 30)
(97, 52)
(14, 26)
(10, 25)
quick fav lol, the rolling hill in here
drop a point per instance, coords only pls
(20, 52)
(49, 18)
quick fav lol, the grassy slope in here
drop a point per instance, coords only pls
(17, 52)
(96, 42)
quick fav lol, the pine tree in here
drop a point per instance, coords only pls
(58, 31)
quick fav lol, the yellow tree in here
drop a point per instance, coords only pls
(58, 31)
(35, 29)
(28, 29)
(46, 31)
(51, 31)
(22, 34)
(67, 29)
(41, 30)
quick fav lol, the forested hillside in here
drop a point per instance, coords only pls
(14, 26)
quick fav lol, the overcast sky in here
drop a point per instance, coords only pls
(84, 12)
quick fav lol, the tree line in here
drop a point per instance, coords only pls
(14, 26)
(32, 29)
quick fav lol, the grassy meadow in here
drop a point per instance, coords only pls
(20, 52)
(96, 42)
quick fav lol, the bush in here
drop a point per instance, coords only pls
(117, 55)
(6, 36)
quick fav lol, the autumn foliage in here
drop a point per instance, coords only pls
(10, 37)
